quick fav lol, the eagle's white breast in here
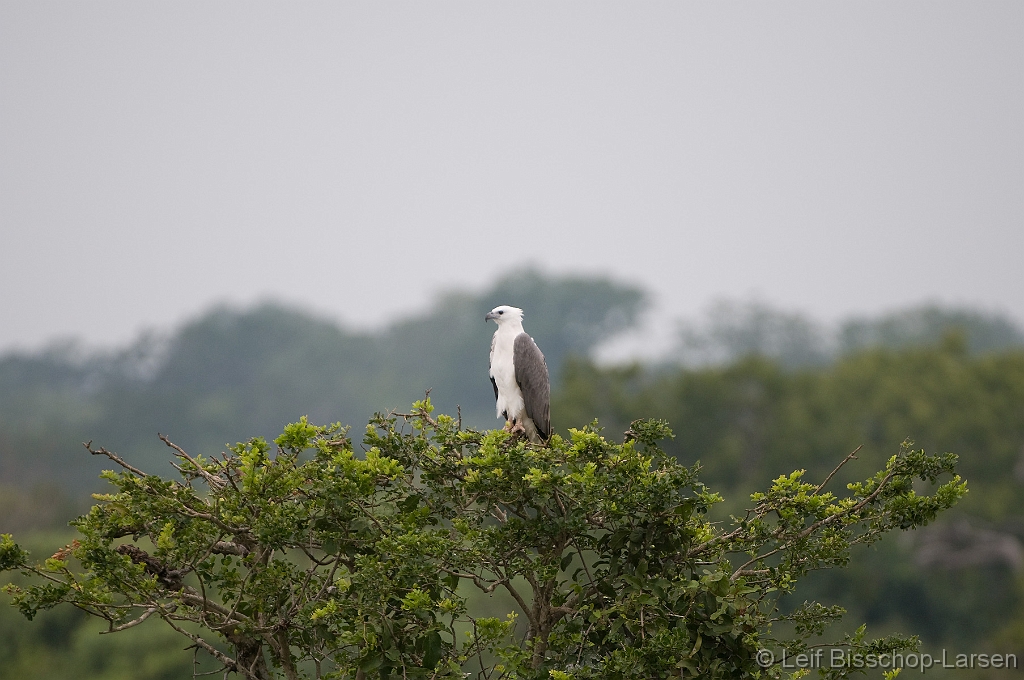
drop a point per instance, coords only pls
(503, 371)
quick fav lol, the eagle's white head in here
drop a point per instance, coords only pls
(504, 314)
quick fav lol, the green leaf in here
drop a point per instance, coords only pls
(433, 650)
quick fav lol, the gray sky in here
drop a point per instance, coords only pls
(356, 158)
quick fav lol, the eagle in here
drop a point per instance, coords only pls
(519, 375)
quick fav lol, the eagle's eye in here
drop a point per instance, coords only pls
(501, 312)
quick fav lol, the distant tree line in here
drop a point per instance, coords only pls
(730, 331)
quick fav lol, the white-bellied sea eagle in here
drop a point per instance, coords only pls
(519, 374)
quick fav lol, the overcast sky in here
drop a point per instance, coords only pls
(356, 158)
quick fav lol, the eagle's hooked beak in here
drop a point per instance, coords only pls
(491, 316)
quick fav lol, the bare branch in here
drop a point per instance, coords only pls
(215, 483)
(131, 624)
(114, 457)
(229, 663)
(852, 455)
(193, 597)
(235, 531)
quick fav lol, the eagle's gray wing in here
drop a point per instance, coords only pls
(532, 377)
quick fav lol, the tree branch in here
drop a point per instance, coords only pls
(114, 457)
(215, 483)
(229, 663)
(852, 455)
(131, 624)
(825, 521)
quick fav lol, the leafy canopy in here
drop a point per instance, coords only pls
(310, 559)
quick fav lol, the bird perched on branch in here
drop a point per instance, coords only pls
(519, 375)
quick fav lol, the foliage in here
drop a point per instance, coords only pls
(313, 560)
(750, 419)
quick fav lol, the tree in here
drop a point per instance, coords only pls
(314, 561)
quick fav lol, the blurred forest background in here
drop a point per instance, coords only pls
(751, 392)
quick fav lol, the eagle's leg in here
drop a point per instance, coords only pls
(508, 426)
(517, 428)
